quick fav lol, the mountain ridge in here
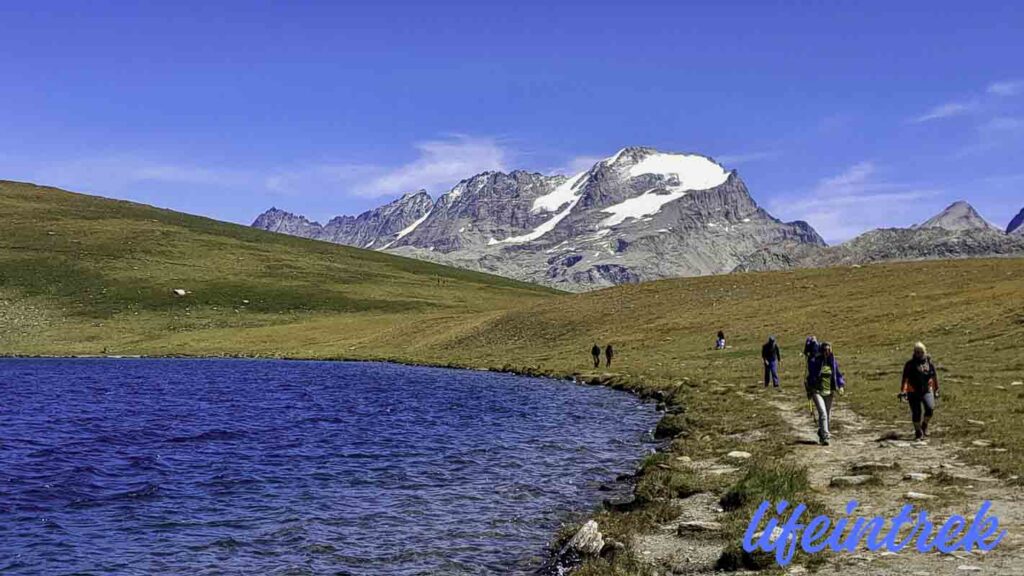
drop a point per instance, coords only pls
(640, 214)
(956, 232)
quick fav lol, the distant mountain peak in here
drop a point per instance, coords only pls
(958, 216)
(412, 195)
(1017, 224)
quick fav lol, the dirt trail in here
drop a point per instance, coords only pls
(896, 465)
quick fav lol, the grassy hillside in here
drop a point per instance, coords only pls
(80, 275)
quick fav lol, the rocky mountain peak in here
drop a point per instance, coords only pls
(1016, 225)
(957, 217)
(636, 215)
(414, 196)
(277, 220)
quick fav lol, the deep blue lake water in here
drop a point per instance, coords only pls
(118, 466)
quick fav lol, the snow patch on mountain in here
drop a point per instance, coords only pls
(646, 204)
(693, 172)
(408, 229)
(539, 231)
(559, 197)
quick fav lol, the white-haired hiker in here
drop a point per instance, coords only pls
(920, 387)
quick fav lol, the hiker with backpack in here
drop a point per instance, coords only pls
(608, 352)
(920, 388)
(771, 356)
(720, 341)
(811, 348)
(595, 352)
(824, 381)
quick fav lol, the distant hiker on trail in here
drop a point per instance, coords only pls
(920, 387)
(772, 358)
(823, 380)
(596, 353)
(608, 352)
(720, 342)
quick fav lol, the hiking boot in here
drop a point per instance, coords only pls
(824, 442)
(924, 429)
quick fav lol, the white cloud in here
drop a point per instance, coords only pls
(948, 110)
(440, 165)
(1006, 88)
(854, 201)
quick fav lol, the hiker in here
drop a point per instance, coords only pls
(720, 342)
(772, 358)
(824, 380)
(596, 353)
(608, 356)
(811, 347)
(920, 387)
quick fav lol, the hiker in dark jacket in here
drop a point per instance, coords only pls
(720, 342)
(920, 387)
(596, 353)
(772, 358)
(824, 380)
(608, 352)
(811, 349)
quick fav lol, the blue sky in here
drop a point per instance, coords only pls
(851, 115)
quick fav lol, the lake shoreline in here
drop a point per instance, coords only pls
(615, 381)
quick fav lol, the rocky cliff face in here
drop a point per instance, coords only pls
(1016, 225)
(375, 228)
(638, 215)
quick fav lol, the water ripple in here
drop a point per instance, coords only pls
(267, 467)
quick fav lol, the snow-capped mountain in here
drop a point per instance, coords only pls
(638, 215)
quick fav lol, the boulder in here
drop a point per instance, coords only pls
(869, 467)
(843, 481)
(918, 496)
(738, 455)
(179, 292)
(586, 543)
(698, 526)
(916, 476)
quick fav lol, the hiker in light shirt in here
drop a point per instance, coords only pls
(824, 381)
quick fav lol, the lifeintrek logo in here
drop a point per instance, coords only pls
(848, 534)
